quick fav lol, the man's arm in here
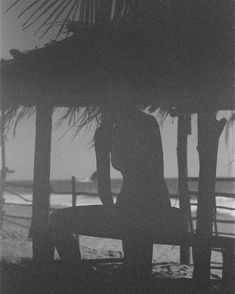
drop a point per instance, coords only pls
(103, 169)
(153, 156)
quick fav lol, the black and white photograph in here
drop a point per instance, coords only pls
(117, 136)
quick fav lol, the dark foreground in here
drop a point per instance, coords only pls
(25, 277)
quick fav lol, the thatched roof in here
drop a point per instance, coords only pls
(182, 62)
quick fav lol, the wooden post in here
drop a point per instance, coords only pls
(41, 181)
(3, 171)
(209, 130)
(184, 129)
(74, 200)
(74, 195)
(229, 268)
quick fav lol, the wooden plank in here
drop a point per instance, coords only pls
(218, 179)
(216, 194)
(74, 194)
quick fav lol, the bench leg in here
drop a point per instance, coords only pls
(229, 269)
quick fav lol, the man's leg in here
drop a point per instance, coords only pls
(137, 264)
(64, 223)
(64, 240)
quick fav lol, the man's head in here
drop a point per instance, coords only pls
(116, 109)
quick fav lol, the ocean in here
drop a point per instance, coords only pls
(20, 192)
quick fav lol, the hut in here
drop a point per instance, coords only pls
(179, 57)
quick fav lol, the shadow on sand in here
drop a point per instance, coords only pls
(25, 277)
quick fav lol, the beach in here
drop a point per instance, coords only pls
(17, 272)
(16, 251)
(16, 244)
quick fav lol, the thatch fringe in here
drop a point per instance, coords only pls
(170, 53)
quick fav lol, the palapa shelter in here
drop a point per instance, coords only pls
(178, 56)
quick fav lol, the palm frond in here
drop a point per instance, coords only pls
(90, 12)
(15, 114)
(85, 11)
(47, 8)
(69, 13)
(12, 5)
(28, 8)
(34, 13)
(60, 9)
(78, 118)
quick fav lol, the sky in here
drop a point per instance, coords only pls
(75, 156)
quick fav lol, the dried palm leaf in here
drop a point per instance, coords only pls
(15, 114)
(86, 11)
(60, 9)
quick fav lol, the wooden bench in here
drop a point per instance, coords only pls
(226, 244)
(170, 231)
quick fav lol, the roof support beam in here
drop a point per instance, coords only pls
(3, 171)
(209, 131)
(41, 181)
(184, 129)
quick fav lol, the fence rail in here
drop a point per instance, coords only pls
(218, 179)
(18, 195)
(17, 216)
(216, 194)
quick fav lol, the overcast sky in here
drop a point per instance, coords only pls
(76, 156)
